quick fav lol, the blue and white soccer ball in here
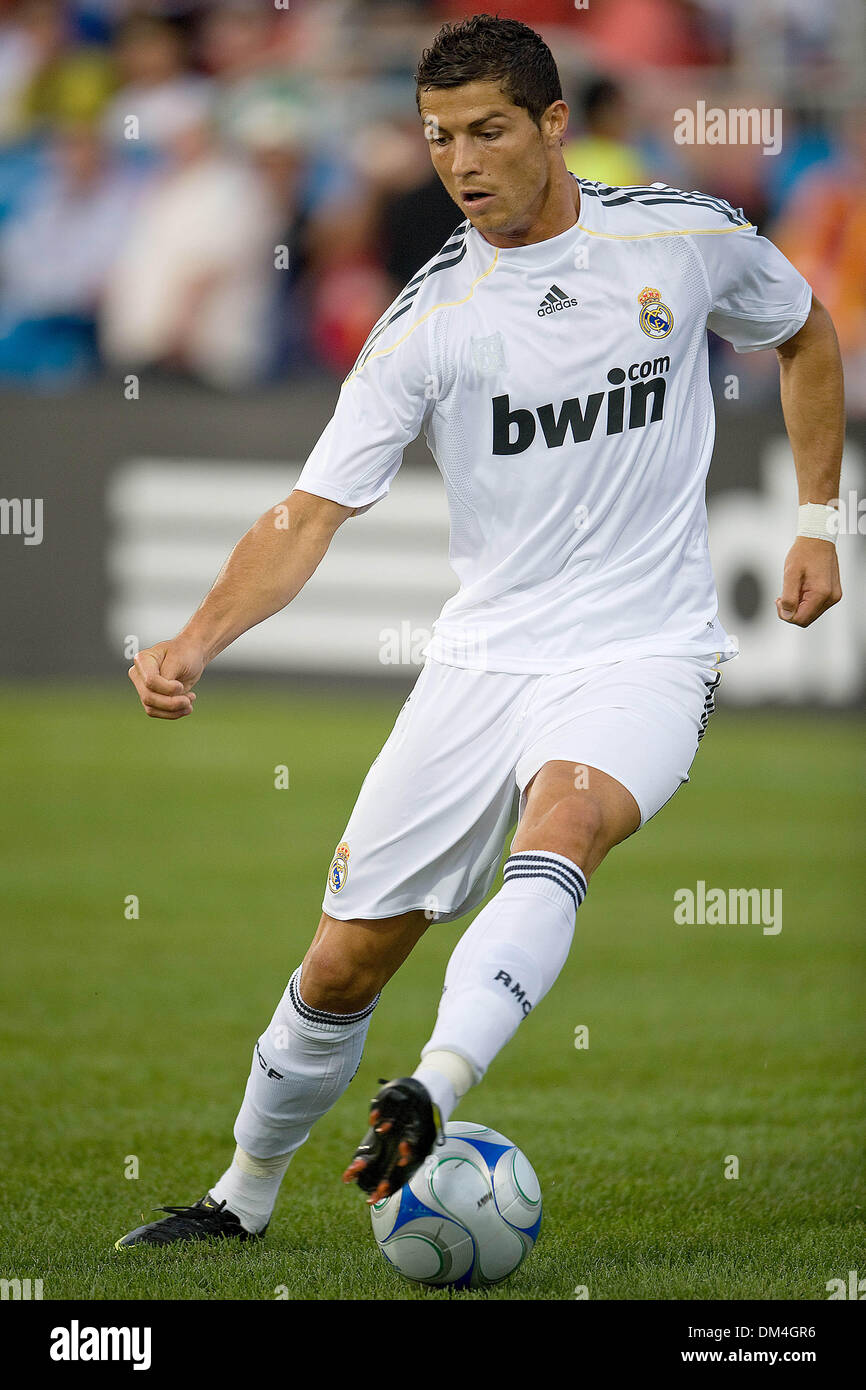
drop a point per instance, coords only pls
(468, 1217)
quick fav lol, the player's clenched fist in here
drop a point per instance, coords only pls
(811, 582)
(164, 676)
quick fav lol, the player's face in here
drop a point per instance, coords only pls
(491, 156)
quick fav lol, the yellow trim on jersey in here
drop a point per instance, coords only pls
(682, 231)
(445, 304)
(607, 236)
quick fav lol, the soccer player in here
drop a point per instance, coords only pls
(555, 354)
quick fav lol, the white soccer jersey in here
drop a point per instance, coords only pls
(564, 394)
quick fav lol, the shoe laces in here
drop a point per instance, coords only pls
(199, 1211)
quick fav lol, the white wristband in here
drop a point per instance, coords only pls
(818, 521)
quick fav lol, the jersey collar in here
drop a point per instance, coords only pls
(539, 253)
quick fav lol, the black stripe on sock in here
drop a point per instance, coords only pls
(552, 878)
(570, 871)
(551, 874)
(320, 1015)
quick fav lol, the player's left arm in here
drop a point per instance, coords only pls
(758, 300)
(813, 405)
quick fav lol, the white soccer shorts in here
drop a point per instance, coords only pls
(429, 825)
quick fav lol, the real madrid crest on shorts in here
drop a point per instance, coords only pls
(339, 870)
(655, 318)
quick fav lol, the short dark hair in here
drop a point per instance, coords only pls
(486, 48)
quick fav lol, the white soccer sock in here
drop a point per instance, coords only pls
(504, 964)
(302, 1064)
(249, 1187)
(447, 1077)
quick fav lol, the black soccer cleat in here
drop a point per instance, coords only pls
(404, 1125)
(206, 1220)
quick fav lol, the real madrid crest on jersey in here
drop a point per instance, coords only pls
(655, 318)
(488, 354)
(339, 870)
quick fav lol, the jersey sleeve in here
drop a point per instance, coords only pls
(380, 409)
(758, 299)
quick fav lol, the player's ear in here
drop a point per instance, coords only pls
(554, 122)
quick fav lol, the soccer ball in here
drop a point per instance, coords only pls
(468, 1217)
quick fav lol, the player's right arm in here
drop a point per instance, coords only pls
(382, 405)
(267, 568)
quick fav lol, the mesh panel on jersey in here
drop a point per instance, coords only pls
(690, 266)
(454, 444)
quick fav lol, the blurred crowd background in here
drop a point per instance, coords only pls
(231, 193)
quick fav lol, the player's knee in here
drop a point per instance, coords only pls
(335, 982)
(573, 825)
(579, 820)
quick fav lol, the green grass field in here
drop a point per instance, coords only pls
(133, 1037)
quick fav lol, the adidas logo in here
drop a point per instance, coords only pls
(554, 300)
